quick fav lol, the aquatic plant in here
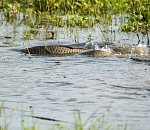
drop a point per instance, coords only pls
(90, 124)
(3, 123)
(81, 13)
(139, 17)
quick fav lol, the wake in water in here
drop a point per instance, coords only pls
(140, 52)
(121, 50)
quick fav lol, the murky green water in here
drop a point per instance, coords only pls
(54, 87)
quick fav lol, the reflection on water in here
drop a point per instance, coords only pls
(54, 87)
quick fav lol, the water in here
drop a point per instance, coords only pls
(55, 87)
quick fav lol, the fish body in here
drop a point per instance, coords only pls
(97, 53)
(61, 50)
(53, 50)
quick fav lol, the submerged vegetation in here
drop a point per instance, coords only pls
(134, 14)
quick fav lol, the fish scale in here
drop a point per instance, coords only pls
(53, 50)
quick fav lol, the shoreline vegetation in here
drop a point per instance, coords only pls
(31, 122)
(134, 15)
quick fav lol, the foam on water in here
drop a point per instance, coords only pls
(140, 49)
(106, 49)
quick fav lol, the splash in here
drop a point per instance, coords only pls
(91, 45)
(121, 51)
(94, 46)
(140, 49)
(106, 49)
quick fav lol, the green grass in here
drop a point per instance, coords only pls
(3, 123)
(91, 123)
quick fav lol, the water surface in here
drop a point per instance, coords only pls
(55, 87)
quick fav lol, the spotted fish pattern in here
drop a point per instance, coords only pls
(53, 50)
(97, 53)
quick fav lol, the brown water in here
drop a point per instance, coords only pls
(55, 87)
